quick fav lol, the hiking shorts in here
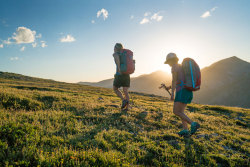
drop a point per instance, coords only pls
(122, 80)
(184, 96)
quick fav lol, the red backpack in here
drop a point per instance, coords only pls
(192, 74)
(127, 63)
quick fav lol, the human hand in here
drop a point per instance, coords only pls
(168, 87)
(162, 85)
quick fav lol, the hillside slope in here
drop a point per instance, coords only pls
(45, 123)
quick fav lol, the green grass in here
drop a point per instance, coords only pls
(47, 123)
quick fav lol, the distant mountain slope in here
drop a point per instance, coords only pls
(150, 83)
(224, 71)
(231, 94)
(105, 83)
(225, 82)
(147, 83)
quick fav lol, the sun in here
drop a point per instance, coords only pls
(165, 68)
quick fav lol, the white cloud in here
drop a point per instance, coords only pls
(147, 14)
(34, 44)
(144, 21)
(68, 38)
(22, 49)
(214, 8)
(132, 17)
(208, 13)
(14, 58)
(93, 21)
(156, 17)
(39, 36)
(7, 41)
(1, 45)
(24, 35)
(43, 44)
(102, 12)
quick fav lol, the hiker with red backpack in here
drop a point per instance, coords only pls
(125, 65)
(186, 78)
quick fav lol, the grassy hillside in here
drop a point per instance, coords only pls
(47, 123)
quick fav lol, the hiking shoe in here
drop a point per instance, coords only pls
(184, 133)
(124, 103)
(194, 127)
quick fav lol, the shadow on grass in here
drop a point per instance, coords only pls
(197, 152)
(103, 124)
(193, 151)
(36, 88)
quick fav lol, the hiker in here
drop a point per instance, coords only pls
(124, 67)
(183, 96)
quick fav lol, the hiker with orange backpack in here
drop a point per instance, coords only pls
(186, 78)
(125, 65)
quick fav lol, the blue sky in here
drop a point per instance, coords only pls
(73, 40)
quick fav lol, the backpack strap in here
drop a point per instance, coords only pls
(120, 54)
(190, 64)
(181, 84)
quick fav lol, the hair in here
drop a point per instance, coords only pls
(118, 46)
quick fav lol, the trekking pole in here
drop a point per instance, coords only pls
(165, 87)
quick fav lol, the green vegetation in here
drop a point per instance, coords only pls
(48, 123)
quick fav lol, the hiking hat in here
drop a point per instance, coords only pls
(170, 56)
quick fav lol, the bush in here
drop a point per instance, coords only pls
(18, 144)
(10, 101)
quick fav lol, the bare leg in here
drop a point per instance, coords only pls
(118, 92)
(184, 124)
(125, 91)
(179, 111)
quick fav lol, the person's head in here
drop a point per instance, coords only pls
(171, 59)
(118, 47)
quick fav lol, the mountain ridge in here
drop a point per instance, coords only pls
(214, 77)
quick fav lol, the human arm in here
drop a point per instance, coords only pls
(117, 61)
(174, 79)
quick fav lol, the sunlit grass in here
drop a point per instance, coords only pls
(46, 123)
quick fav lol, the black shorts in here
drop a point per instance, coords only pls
(122, 80)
